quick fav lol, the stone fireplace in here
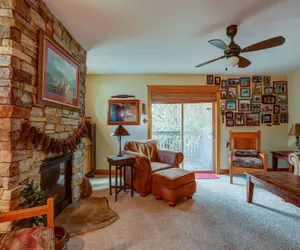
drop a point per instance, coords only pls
(19, 161)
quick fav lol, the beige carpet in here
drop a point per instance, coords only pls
(217, 218)
(86, 215)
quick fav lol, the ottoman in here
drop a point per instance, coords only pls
(173, 184)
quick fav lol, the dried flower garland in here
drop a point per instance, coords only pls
(53, 145)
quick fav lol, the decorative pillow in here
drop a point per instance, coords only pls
(148, 148)
(245, 152)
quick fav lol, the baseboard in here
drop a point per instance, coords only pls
(104, 171)
(226, 171)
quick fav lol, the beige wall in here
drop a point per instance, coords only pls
(101, 87)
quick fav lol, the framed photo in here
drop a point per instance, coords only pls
(223, 105)
(256, 108)
(256, 79)
(232, 92)
(239, 119)
(223, 84)
(256, 98)
(268, 91)
(229, 123)
(230, 105)
(245, 92)
(257, 88)
(282, 99)
(123, 112)
(280, 87)
(266, 118)
(245, 81)
(229, 115)
(283, 109)
(209, 79)
(267, 81)
(233, 81)
(267, 109)
(244, 104)
(252, 119)
(284, 118)
(217, 80)
(58, 76)
(276, 109)
(269, 99)
(223, 93)
(276, 120)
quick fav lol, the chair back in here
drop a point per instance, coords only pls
(148, 148)
(294, 160)
(245, 140)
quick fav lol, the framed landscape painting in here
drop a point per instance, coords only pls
(123, 112)
(59, 75)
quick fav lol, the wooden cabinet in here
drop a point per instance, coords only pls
(90, 160)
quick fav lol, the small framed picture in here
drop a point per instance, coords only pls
(284, 118)
(230, 105)
(267, 81)
(245, 81)
(229, 115)
(256, 79)
(232, 92)
(276, 120)
(256, 98)
(276, 109)
(257, 88)
(233, 81)
(223, 93)
(283, 109)
(245, 92)
(223, 105)
(266, 118)
(252, 119)
(280, 87)
(256, 108)
(269, 99)
(217, 80)
(282, 99)
(229, 123)
(268, 91)
(267, 109)
(239, 119)
(223, 84)
(244, 104)
(209, 79)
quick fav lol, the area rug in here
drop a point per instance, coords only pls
(86, 215)
(206, 176)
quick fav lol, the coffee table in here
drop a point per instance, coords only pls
(282, 184)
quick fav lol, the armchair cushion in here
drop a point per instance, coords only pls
(35, 238)
(157, 166)
(245, 152)
(148, 148)
(247, 162)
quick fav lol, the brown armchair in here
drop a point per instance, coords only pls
(149, 159)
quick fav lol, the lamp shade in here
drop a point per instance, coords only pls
(233, 61)
(295, 130)
(120, 131)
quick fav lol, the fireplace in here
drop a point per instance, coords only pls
(56, 175)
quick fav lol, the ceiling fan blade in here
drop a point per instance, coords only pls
(202, 64)
(266, 44)
(219, 44)
(243, 62)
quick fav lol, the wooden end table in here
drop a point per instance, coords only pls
(282, 184)
(281, 155)
(120, 163)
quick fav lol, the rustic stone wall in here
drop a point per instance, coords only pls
(20, 21)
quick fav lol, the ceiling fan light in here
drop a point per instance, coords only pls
(233, 61)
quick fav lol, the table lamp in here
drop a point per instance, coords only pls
(119, 132)
(295, 131)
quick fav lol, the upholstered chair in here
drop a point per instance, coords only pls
(149, 159)
(294, 160)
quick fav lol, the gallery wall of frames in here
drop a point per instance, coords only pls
(252, 101)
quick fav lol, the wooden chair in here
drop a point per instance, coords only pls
(242, 142)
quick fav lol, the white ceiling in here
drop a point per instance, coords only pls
(170, 36)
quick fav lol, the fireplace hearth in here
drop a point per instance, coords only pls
(56, 176)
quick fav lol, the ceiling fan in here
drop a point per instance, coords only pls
(233, 50)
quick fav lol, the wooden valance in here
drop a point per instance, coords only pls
(182, 97)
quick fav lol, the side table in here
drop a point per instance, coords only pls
(120, 163)
(281, 155)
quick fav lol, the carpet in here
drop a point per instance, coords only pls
(206, 176)
(86, 215)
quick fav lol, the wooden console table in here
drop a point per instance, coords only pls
(281, 155)
(282, 184)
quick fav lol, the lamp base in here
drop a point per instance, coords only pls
(120, 155)
(297, 143)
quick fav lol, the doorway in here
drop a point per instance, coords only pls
(186, 127)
